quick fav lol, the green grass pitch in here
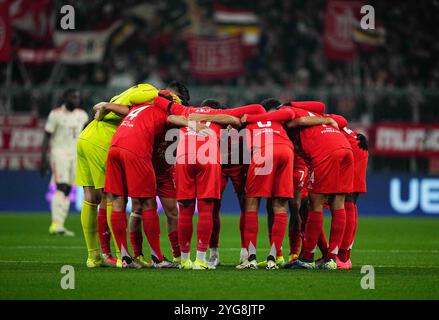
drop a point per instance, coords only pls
(403, 251)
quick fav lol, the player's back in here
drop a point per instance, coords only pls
(101, 132)
(140, 128)
(263, 133)
(65, 127)
(317, 142)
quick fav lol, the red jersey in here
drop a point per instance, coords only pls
(139, 130)
(315, 143)
(351, 136)
(191, 141)
(268, 128)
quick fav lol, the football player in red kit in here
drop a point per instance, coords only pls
(272, 157)
(331, 162)
(130, 173)
(198, 175)
(233, 168)
(298, 205)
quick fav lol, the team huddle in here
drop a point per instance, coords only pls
(148, 142)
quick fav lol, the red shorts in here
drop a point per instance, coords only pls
(300, 175)
(165, 182)
(129, 175)
(277, 181)
(236, 173)
(196, 180)
(334, 174)
(360, 169)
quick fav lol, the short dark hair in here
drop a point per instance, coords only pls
(215, 104)
(68, 92)
(180, 90)
(270, 103)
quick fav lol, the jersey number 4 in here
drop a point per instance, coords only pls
(135, 112)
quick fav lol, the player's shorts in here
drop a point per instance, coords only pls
(196, 180)
(277, 181)
(334, 174)
(90, 165)
(166, 182)
(237, 174)
(63, 167)
(300, 175)
(129, 175)
(360, 169)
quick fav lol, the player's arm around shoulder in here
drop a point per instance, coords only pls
(103, 108)
(304, 120)
(220, 118)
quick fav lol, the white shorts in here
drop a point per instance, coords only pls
(63, 167)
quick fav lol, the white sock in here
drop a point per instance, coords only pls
(185, 256)
(57, 209)
(243, 254)
(272, 251)
(251, 249)
(65, 209)
(201, 256)
(214, 252)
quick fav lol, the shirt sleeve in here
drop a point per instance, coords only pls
(300, 113)
(249, 109)
(176, 108)
(313, 106)
(142, 96)
(341, 121)
(280, 115)
(51, 122)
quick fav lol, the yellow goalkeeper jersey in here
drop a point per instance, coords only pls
(101, 132)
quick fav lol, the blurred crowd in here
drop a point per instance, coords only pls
(288, 57)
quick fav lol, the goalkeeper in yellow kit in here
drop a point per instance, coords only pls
(92, 149)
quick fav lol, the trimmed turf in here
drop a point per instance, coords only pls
(403, 251)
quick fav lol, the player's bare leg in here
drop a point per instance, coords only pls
(343, 258)
(89, 223)
(250, 232)
(59, 207)
(171, 211)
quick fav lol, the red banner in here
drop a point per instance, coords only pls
(406, 140)
(216, 57)
(21, 137)
(5, 32)
(340, 18)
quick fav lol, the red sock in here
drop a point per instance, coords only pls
(280, 221)
(348, 232)
(136, 239)
(295, 239)
(173, 238)
(242, 228)
(214, 239)
(338, 224)
(312, 232)
(322, 243)
(119, 227)
(205, 222)
(104, 231)
(185, 227)
(151, 227)
(251, 231)
(354, 231)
